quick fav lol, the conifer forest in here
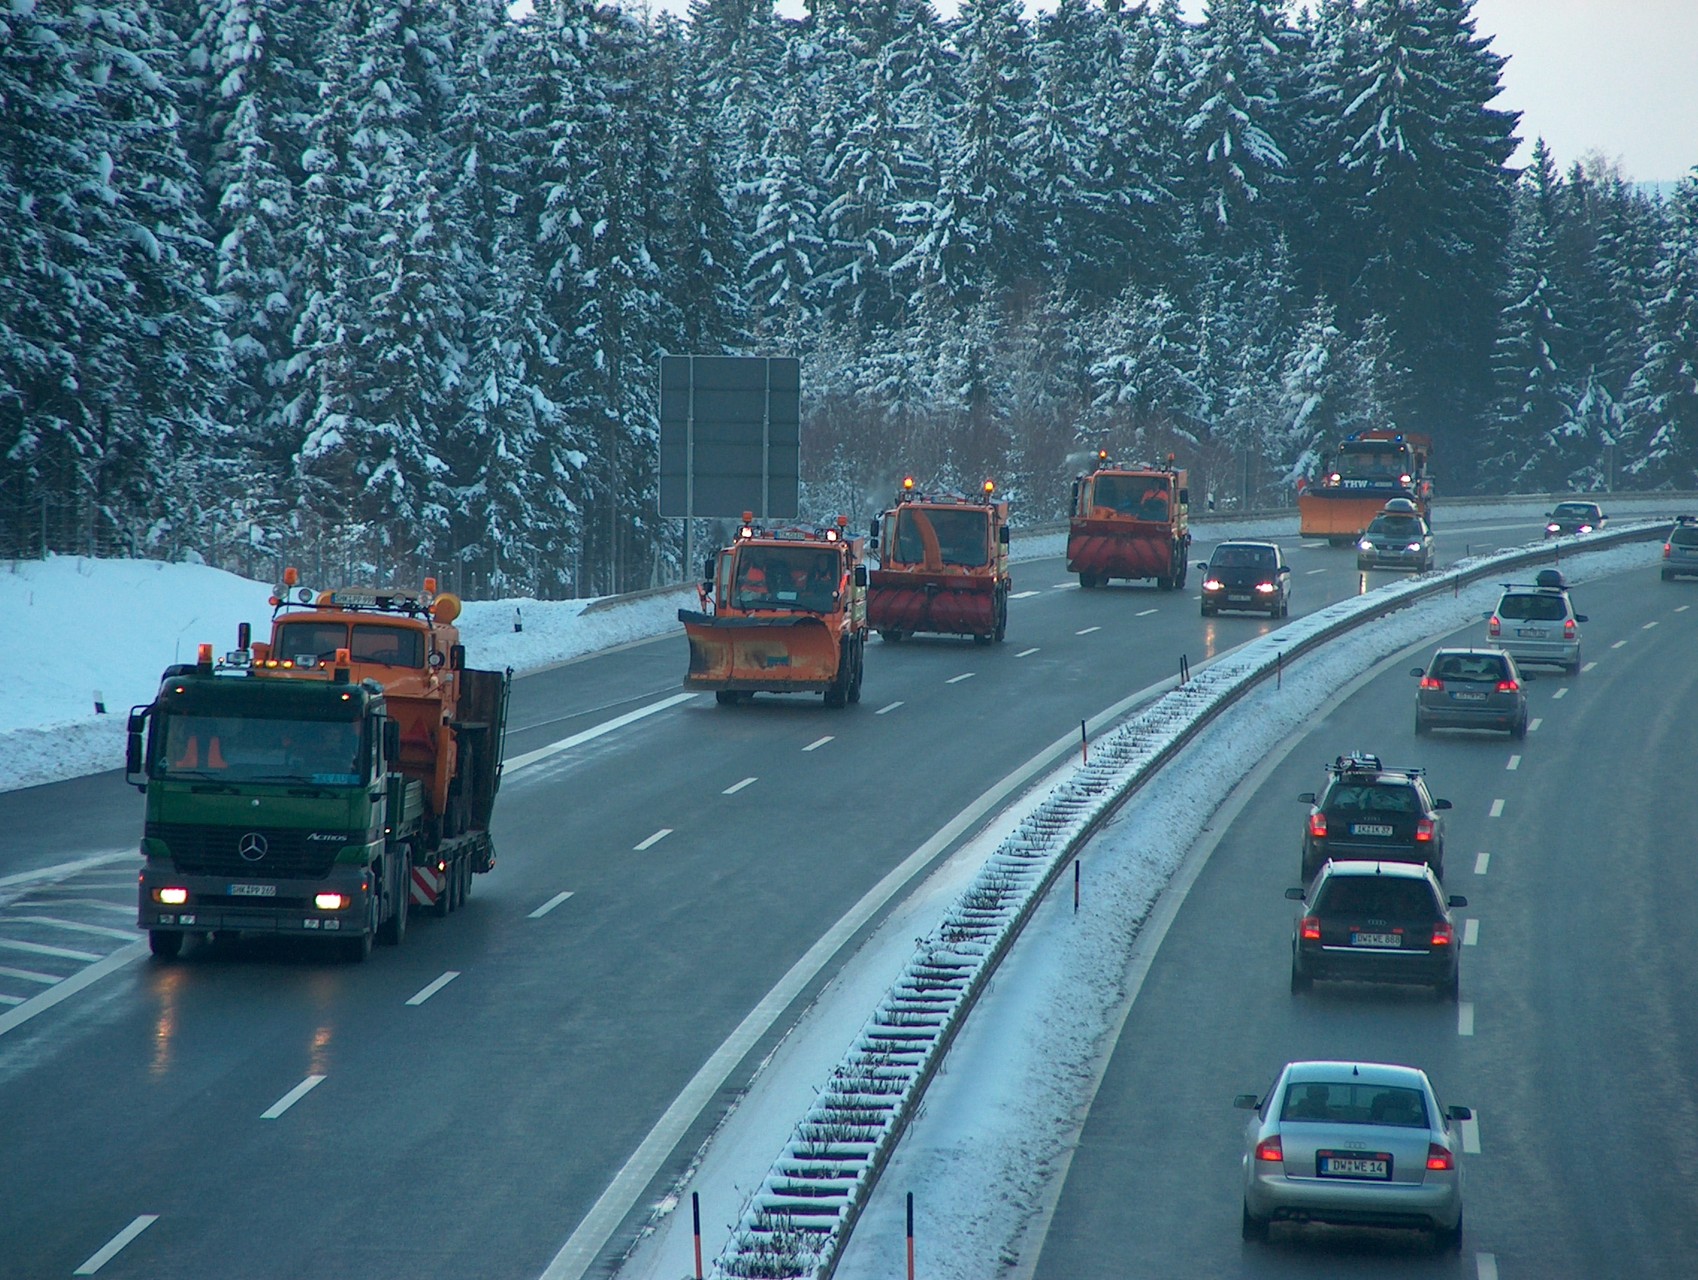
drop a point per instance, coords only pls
(380, 287)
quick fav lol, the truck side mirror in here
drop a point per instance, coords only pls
(392, 741)
(707, 572)
(133, 748)
(1185, 497)
(1074, 502)
(1002, 535)
(860, 575)
(457, 657)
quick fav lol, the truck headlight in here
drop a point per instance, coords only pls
(171, 897)
(331, 901)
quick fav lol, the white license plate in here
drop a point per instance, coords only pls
(1532, 633)
(1369, 829)
(1376, 940)
(253, 891)
(1377, 1166)
(1237, 599)
(1469, 697)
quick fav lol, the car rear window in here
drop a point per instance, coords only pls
(1355, 1103)
(1377, 897)
(1373, 797)
(1685, 535)
(1532, 608)
(1470, 666)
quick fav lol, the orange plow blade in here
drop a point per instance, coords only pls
(778, 653)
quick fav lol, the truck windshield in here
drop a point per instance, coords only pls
(372, 642)
(962, 536)
(1145, 497)
(244, 749)
(787, 577)
(1366, 462)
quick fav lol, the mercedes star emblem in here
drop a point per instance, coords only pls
(252, 847)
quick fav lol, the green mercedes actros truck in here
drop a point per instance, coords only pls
(293, 792)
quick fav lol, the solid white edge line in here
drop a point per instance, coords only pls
(735, 787)
(441, 982)
(653, 840)
(891, 707)
(70, 986)
(595, 731)
(110, 1249)
(1465, 1018)
(548, 906)
(291, 1098)
(817, 743)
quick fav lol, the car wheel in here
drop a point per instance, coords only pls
(1208, 612)
(1420, 724)
(1574, 667)
(1450, 990)
(1519, 728)
(1448, 1239)
(1667, 576)
(1300, 981)
(1254, 1228)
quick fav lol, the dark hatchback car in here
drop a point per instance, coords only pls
(1252, 576)
(1370, 811)
(1573, 517)
(1471, 689)
(1680, 549)
(1376, 922)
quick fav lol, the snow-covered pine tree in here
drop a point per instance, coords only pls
(1663, 396)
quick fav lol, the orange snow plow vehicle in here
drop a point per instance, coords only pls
(1130, 522)
(1369, 469)
(784, 610)
(943, 566)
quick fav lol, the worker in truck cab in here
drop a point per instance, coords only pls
(751, 579)
(1153, 505)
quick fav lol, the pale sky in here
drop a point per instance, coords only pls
(1616, 77)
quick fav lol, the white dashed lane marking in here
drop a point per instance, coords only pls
(1481, 862)
(427, 992)
(1063, 586)
(817, 743)
(113, 1246)
(1486, 1266)
(1590, 665)
(1497, 809)
(291, 1098)
(1619, 644)
(1471, 1135)
(1470, 932)
(653, 840)
(1024, 595)
(1465, 1018)
(1560, 693)
(1514, 763)
(1309, 573)
(548, 906)
(1682, 608)
(1534, 723)
(735, 787)
(888, 708)
(965, 675)
(1087, 631)
(1144, 613)
(1649, 625)
(1025, 653)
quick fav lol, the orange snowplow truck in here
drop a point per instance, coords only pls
(943, 566)
(784, 610)
(451, 719)
(1369, 469)
(1130, 522)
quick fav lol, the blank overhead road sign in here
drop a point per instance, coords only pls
(730, 435)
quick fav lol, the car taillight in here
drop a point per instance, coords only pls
(1443, 935)
(1493, 626)
(1568, 629)
(1310, 929)
(1508, 686)
(1668, 550)
(1431, 682)
(1211, 584)
(1318, 825)
(1423, 828)
(1439, 1158)
(1270, 1150)
(1264, 587)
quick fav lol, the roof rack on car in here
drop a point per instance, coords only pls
(1366, 762)
(1686, 519)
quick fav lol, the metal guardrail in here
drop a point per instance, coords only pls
(797, 1221)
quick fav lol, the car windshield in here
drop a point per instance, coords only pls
(1396, 526)
(1242, 558)
(1533, 608)
(1352, 1102)
(1574, 511)
(1377, 897)
(1468, 666)
(1374, 797)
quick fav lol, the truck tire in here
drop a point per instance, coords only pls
(445, 899)
(860, 670)
(892, 636)
(1089, 580)
(395, 928)
(838, 695)
(1001, 615)
(165, 944)
(465, 882)
(356, 950)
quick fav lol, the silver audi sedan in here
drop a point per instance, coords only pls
(1353, 1143)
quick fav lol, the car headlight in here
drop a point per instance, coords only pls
(1364, 545)
(1585, 528)
(1553, 528)
(1413, 546)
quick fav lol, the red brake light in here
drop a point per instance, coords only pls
(1310, 930)
(1568, 629)
(1443, 935)
(1431, 682)
(1438, 1158)
(1668, 550)
(1270, 1150)
(1508, 686)
(1493, 627)
(1318, 825)
(1424, 829)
